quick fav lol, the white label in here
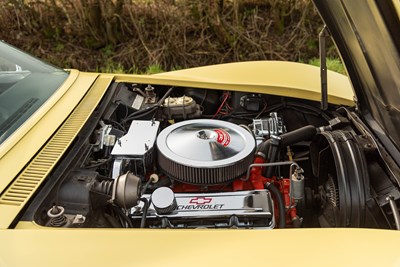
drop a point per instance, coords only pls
(137, 103)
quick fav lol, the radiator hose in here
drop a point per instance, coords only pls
(270, 148)
(281, 205)
(302, 134)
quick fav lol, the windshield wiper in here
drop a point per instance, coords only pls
(16, 115)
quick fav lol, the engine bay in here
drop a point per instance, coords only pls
(172, 157)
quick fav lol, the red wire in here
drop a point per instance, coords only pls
(222, 104)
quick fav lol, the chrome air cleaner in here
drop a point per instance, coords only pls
(205, 152)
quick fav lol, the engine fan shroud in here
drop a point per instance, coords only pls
(346, 179)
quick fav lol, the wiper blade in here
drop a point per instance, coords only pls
(16, 115)
(13, 72)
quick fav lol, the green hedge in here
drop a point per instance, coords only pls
(129, 36)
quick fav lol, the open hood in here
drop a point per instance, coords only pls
(367, 34)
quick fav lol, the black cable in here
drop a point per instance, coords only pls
(146, 185)
(262, 111)
(281, 205)
(97, 164)
(311, 108)
(123, 216)
(161, 101)
(121, 127)
(225, 117)
(300, 107)
(295, 106)
(151, 110)
(204, 97)
(139, 114)
(144, 112)
(145, 209)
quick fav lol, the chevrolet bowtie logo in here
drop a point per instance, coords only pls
(200, 200)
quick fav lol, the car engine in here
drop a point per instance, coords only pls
(160, 157)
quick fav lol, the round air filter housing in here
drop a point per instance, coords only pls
(205, 152)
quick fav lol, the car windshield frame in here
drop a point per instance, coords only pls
(26, 83)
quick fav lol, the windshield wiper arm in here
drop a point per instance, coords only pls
(16, 115)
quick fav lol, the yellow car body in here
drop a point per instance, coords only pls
(30, 155)
(82, 92)
(29, 244)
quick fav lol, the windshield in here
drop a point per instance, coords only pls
(25, 84)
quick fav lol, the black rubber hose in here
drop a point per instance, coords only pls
(145, 209)
(264, 147)
(123, 216)
(264, 150)
(305, 133)
(140, 113)
(144, 112)
(281, 205)
(302, 134)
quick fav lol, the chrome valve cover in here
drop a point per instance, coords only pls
(234, 209)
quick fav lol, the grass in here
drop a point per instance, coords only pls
(114, 67)
(153, 69)
(334, 64)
